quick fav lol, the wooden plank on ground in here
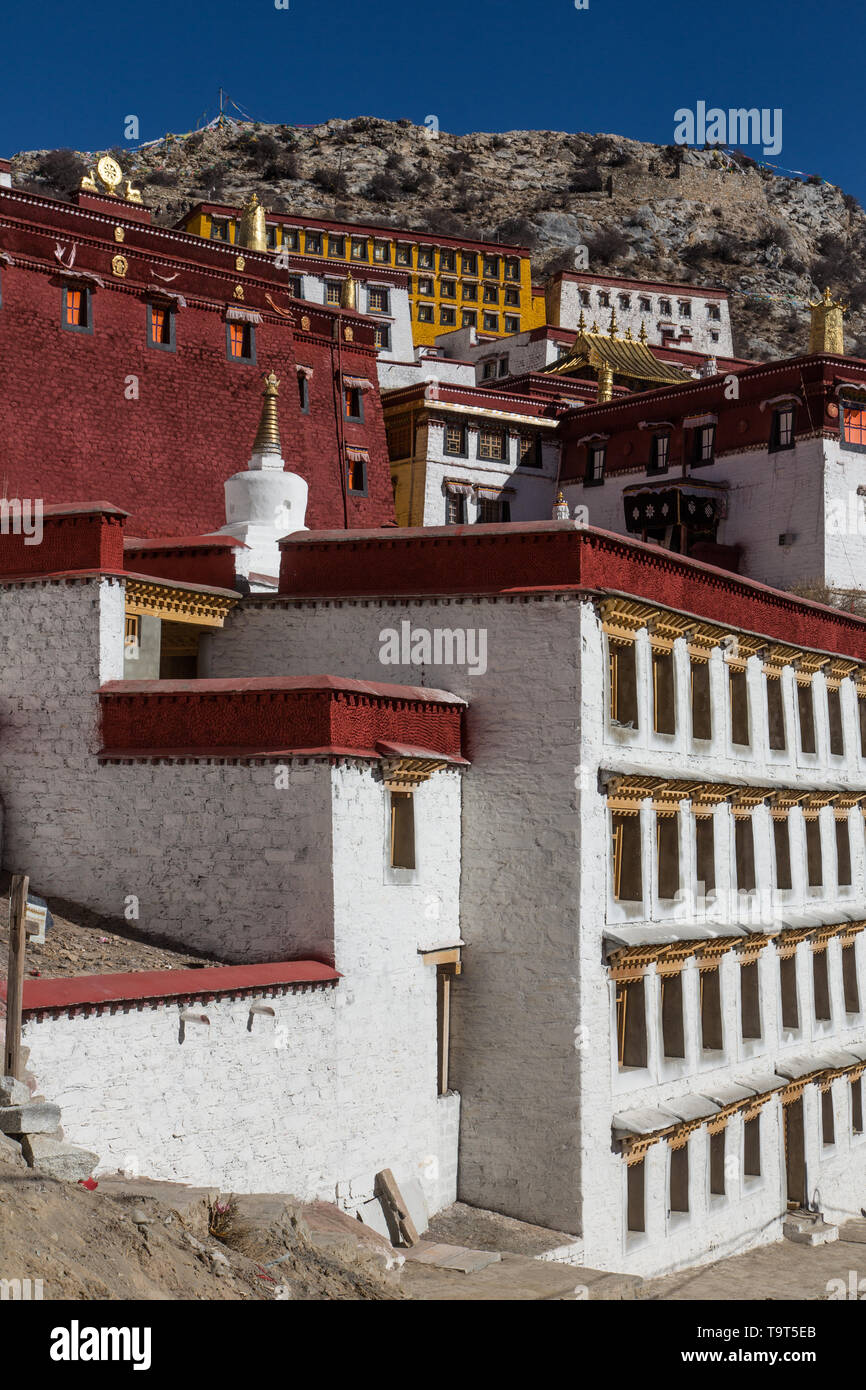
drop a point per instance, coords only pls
(395, 1208)
(15, 975)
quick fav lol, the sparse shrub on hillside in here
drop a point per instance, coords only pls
(587, 180)
(608, 246)
(331, 180)
(62, 169)
(498, 142)
(193, 144)
(417, 181)
(777, 235)
(795, 264)
(213, 177)
(520, 231)
(851, 203)
(163, 178)
(381, 187)
(394, 162)
(458, 162)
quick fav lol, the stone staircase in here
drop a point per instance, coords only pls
(809, 1228)
(30, 1130)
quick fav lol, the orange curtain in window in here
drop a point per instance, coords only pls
(73, 307)
(855, 426)
(236, 339)
(158, 321)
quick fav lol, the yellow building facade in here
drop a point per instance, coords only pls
(453, 283)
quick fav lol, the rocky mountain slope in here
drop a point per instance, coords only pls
(663, 212)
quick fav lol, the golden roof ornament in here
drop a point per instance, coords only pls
(613, 324)
(252, 232)
(349, 292)
(642, 336)
(594, 328)
(605, 383)
(826, 330)
(628, 337)
(110, 177)
(581, 323)
(267, 440)
(561, 510)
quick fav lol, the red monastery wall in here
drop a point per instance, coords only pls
(67, 430)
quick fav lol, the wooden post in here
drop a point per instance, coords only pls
(15, 975)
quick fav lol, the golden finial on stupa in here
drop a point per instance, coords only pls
(267, 440)
(642, 336)
(613, 324)
(349, 292)
(826, 331)
(605, 383)
(581, 323)
(252, 232)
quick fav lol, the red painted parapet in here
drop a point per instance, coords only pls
(86, 993)
(208, 560)
(275, 716)
(37, 539)
(556, 556)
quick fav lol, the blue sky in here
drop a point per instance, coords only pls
(73, 73)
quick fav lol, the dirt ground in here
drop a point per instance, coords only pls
(92, 1246)
(82, 943)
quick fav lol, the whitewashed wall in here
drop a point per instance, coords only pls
(250, 862)
(534, 1042)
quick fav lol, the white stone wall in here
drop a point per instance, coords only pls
(516, 1005)
(567, 313)
(534, 1043)
(532, 490)
(809, 492)
(255, 861)
(393, 376)
(314, 287)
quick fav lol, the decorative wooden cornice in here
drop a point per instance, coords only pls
(838, 670)
(787, 942)
(665, 628)
(402, 774)
(177, 605)
(779, 656)
(794, 1090)
(709, 953)
(711, 794)
(683, 1132)
(671, 959)
(849, 932)
(749, 949)
(635, 1149)
(751, 1109)
(744, 801)
(622, 618)
(631, 962)
(746, 646)
(816, 801)
(783, 800)
(703, 639)
(809, 663)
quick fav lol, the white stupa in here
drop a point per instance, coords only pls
(265, 502)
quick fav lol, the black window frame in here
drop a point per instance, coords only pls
(653, 466)
(512, 323)
(463, 451)
(308, 249)
(503, 505)
(386, 295)
(449, 266)
(860, 408)
(698, 460)
(444, 320)
(357, 491)
(382, 331)
(423, 316)
(775, 445)
(489, 327)
(458, 500)
(426, 264)
(333, 252)
(532, 456)
(593, 477)
(471, 315)
(169, 312)
(353, 419)
(249, 336)
(304, 393)
(87, 302)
